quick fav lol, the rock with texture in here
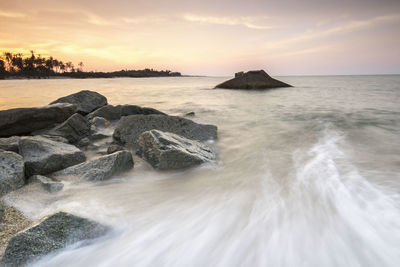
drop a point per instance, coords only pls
(54, 233)
(131, 127)
(170, 151)
(43, 156)
(73, 129)
(111, 112)
(86, 101)
(20, 121)
(99, 169)
(114, 148)
(10, 143)
(12, 174)
(47, 183)
(256, 79)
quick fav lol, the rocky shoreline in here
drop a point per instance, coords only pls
(81, 136)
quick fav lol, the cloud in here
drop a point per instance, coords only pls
(249, 22)
(7, 14)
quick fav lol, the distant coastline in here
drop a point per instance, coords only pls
(16, 66)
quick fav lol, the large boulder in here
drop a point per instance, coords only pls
(170, 151)
(255, 79)
(54, 233)
(86, 101)
(73, 129)
(20, 121)
(129, 128)
(12, 175)
(10, 143)
(111, 112)
(99, 169)
(43, 156)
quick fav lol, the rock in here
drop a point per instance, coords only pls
(47, 183)
(130, 127)
(86, 101)
(54, 233)
(100, 122)
(99, 169)
(83, 142)
(170, 151)
(10, 143)
(110, 112)
(255, 79)
(20, 121)
(114, 148)
(12, 172)
(55, 138)
(43, 156)
(190, 114)
(73, 129)
(2, 211)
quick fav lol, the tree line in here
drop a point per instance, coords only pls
(15, 65)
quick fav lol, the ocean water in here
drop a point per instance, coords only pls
(306, 176)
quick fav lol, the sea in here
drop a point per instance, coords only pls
(305, 176)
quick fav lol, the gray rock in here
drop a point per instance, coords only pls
(10, 143)
(86, 101)
(47, 183)
(111, 112)
(255, 79)
(130, 127)
(55, 138)
(73, 129)
(190, 114)
(20, 121)
(100, 122)
(2, 211)
(114, 148)
(83, 142)
(12, 174)
(170, 151)
(52, 234)
(43, 156)
(99, 169)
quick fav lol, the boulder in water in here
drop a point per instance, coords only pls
(129, 128)
(255, 79)
(12, 175)
(111, 112)
(48, 184)
(20, 121)
(43, 156)
(54, 233)
(170, 151)
(86, 101)
(99, 169)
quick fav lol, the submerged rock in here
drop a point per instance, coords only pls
(54, 233)
(255, 79)
(47, 183)
(114, 148)
(99, 169)
(12, 175)
(20, 121)
(130, 127)
(86, 101)
(170, 151)
(10, 143)
(73, 129)
(43, 156)
(111, 112)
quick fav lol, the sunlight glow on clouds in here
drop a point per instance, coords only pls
(211, 38)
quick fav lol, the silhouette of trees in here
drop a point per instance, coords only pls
(36, 66)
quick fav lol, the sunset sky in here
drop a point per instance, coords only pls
(206, 37)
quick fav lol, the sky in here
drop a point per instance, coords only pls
(210, 37)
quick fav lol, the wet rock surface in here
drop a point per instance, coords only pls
(12, 171)
(170, 151)
(47, 183)
(99, 169)
(54, 233)
(43, 156)
(131, 127)
(111, 112)
(20, 121)
(86, 101)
